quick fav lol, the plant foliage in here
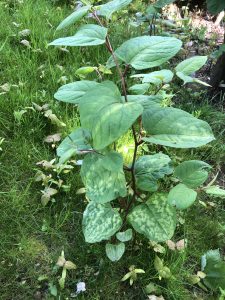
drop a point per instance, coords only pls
(107, 112)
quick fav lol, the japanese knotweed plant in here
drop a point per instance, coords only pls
(121, 196)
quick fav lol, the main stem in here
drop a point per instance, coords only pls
(122, 76)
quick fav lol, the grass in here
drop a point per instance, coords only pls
(32, 236)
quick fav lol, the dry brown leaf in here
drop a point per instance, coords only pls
(171, 245)
(25, 32)
(25, 43)
(153, 297)
(53, 138)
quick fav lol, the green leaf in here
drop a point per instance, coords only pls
(157, 77)
(215, 191)
(139, 89)
(214, 268)
(115, 251)
(73, 92)
(149, 168)
(100, 222)
(145, 101)
(215, 6)
(124, 236)
(74, 17)
(104, 113)
(189, 79)
(103, 177)
(164, 272)
(175, 128)
(109, 8)
(73, 144)
(155, 219)
(87, 35)
(193, 173)
(146, 52)
(84, 71)
(181, 196)
(191, 65)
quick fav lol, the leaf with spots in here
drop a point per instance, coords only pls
(155, 219)
(100, 222)
(115, 251)
(193, 173)
(103, 177)
(149, 168)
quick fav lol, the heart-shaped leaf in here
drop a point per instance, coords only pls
(115, 251)
(181, 196)
(100, 222)
(155, 219)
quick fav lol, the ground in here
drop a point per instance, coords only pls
(32, 236)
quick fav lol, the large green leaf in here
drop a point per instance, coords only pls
(157, 77)
(191, 65)
(214, 268)
(115, 251)
(103, 176)
(175, 128)
(149, 168)
(100, 222)
(193, 173)
(181, 196)
(77, 141)
(146, 101)
(74, 17)
(73, 92)
(155, 219)
(104, 113)
(146, 52)
(215, 6)
(112, 6)
(87, 35)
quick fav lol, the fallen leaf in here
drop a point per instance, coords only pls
(25, 32)
(153, 297)
(180, 245)
(5, 87)
(46, 164)
(54, 119)
(171, 245)
(53, 138)
(25, 43)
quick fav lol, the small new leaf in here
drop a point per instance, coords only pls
(115, 251)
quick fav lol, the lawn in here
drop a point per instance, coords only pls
(32, 236)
